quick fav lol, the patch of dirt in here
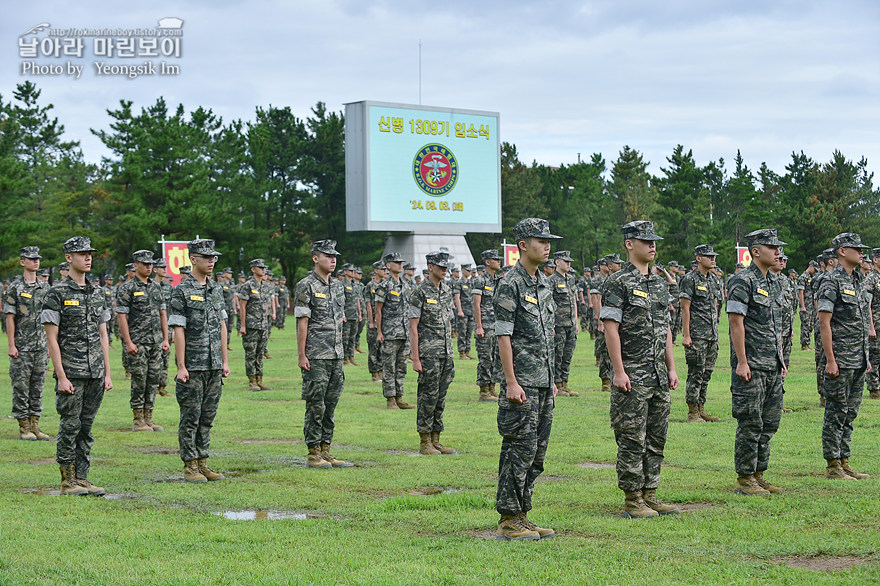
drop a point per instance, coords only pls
(596, 465)
(433, 490)
(277, 400)
(822, 563)
(156, 450)
(42, 462)
(122, 429)
(691, 507)
(402, 453)
(271, 441)
(485, 534)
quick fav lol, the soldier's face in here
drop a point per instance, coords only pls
(143, 269)
(642, 251)
(325, 262)
(706, 262)
(563, 265)
(205, 264)
(161, 271)
(493, 264)
(30, 264)
(437, 272)
(258, 271)
(395, 267)
(80, 261)
(537, 250)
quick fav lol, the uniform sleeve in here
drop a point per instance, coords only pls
(416, 298)
(478, 287)
(51, 313)
(800, 283)
(244, 291)
(687, 289)
(613, 298)
(738, 295)
(380, 293)
(123, 299)
(302, 304)
(827, 295)
(177, 314)
(10, 299)
(505, 308)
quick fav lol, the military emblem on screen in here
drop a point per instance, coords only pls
(435, 170)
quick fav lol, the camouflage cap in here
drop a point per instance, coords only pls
(563, 255)
(65, 266)
(185, 270)
(640, 230)
(425, 271)
(814, 264)
(828, 253)
(490, 255)
(143, 256)
(357, 270)
(392, 257)
(30, 252)
(672, 263)
(507, 268)
(481, 267)
(258, 263)
(409, 267)
(659, 265)
(202, 246)
(466, 266)
(325, 246)
(783, 257)
(612, 258)
(875, 252)
(347, 267)
(764, 236)
(438, 258)
(78, 244)
(551, 263)
(161, 264)
(704, 250)
(226, 271)
(451, 265)
(847, 240)
(43, 272)
(533, 228)
(602, 262)
(269, 273)
(241, 275)
(379, 264)
(595, 269)
(108, 276)
(739, 265)
(129, 266)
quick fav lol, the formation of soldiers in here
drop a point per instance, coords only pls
(524, 321)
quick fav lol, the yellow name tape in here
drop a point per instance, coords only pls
(28, 295)
(701, 288)
(320, 296)
(465, 287)
(74, 302)
(255, 292)
(640, 293)
(106, 292)
(762, 292)
(196, 298)
(138, 293)
(395, 293)
(561, 285)
(431, 301)
(530, 299)
(849, 291)
(349, 288)
(491, 289)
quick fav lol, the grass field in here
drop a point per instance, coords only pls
(401, 518)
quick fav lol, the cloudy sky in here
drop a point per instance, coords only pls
(766, 77)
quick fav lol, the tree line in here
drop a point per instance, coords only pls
(266, 187)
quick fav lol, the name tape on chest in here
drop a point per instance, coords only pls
(320, 295)
(196, 298)
(106, 292)
(73, 302)
(530, 299)
(762, 292)
(561, 285)
(465, 287)
(395, 293)
(849, 292)
(431, 301)
(640, 293)
(138, 293)
(349, 288)
(26, 295)
(225, 288)
(487, 288)
(255, 292)
(702, 288)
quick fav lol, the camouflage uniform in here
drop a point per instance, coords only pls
(201, 311)
(374, 349)
(228, 290)
(844, 297)
(756, 404)
(524, 311)
(700, 290)
(166, 289)
(361, 291)
(283, 294)
(564, 287)
(599, 347)
(487, 346)
(257, 322)
(395, 348)
(872, 286)
(24, 301)
(464, 288)
(349, 329)
(786, 301)
(819, 352)
(808, 317)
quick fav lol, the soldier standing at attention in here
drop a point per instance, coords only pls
(28, 361)
(160, 268)
(228, 289)
(143, 324)
(596, 285)
(635, 304)
(431, 338)
(319, 309)
(845, 324)
(524, 326)
(352, 314)
(463, 294)
(255, 301)
(283, 302)
(374, 349)
(484, 315)
(360, 289)
(75, 321)
(756, 361)
(238, 287)
(564, 285)
(828, 263)
(699, 311)
(391, 325)
(872, 286)
(198, 315)
(805, 301)
(110, 299)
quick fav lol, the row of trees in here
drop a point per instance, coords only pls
(266, 187)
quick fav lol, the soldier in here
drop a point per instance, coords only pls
(75, 321)
(374, 349)
(845, 323)
(637, 331)
(827, 264)
(319, 309)
(28, 361)
(524, 324)
(736, 269)
(805, 299)
(64, 270)
(352, 314)
(787, 304)
(872, 286)
(361, 291)
(463, 295)
(143, 323)
(238, 286)
(110, 301)
(756, 361)
(391, 325)
(160, 269)
(563, 284)
(484, 315)
(283, 302)
(255, 303)
(699, 314)
(431, 338)
(599, 348)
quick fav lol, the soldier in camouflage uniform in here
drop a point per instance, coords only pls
(143, 323)
(845, 323)
(319, 309)
(599, 348)
(756, 361)
(563, 284)
(361, 291)
(352, 314)
(75, 321)
(374, 349)
(431, 339)
(255, 302)
(160, 270)
(806, 307)
(829, 262)
(524, 323)
(699, 312)
(463, 295)
(635, 316)
(283, 302)
(129, 275)
(239, 285)
(787, 302)
(484, 316)
(110, 298)
(391, 322)
(872, 286)
(28, 361)
(228, 288)
(198, 316)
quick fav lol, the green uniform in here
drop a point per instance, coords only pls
(701, 356)
(24, 301)
(141, 303)
(395, 348)
(565, 290)
(256, 338)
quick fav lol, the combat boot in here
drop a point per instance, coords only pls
(426, 448)
(260, 384)
(379, 376)
(821, 400)
(191, 472)
(512, 527)
(403, 404)
(467, 355)
(649, 495)
(461, 356)
(148, 419)
(252, 383)
(542, 532)
(358, 350)
(69, 485)
(391, 403)
(24, 430)
(748, 486)
(346, 361)
(874, 394)
(634, 506)
(335, 462)
(352, 362)
(435, 441)
(138, 423)
(560, 389)
(805, 347)
(266, 355)
(376, 377)
(91, 488)
(207, 472)
(759, 478)
(316, 460)
(844, 464)
(127, 374)
(485, 395)
(606, 385)
(706, 416)
(162, 392)
(35, 428)
(834, 471)
(492, 390)
(694, 414)
(568, 389)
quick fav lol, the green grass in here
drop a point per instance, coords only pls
(400, 518)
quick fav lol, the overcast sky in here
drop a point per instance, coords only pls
(766, 77)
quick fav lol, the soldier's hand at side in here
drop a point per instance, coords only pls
(673, 380)
(165, 346)
(621, 381)
(131, 348)
(686, 341)
(601, 326)
(872, 333)
(784, 372)
(243, 330)
(515, 393)
(417, 365)
(380, 337)
(226, 370)
(108, 383)
(831, 369)
(304, 363)
(65, 387)
(743, 371)
(182, 374)
(13, 351)
(480, 332)
(460, 314)
(555, 390)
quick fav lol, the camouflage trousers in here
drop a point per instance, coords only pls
(787, 333)
(28, 373)
(229, 326)
(676, 328)
(700, 357)
(357, 338)
(256, 343)
(163, 374)
(77, 413)
(640, 420)
(873, 377)
(115, 329)
(466, 326)
(843, 397)
(808, 322)
(146, 370)
(281, 316)
(757, 407)
(486, 353)
(434, 380)
(394, 355)
(565, 338)
(374, 351)
(601, 353)
(525, 433)
(349, 336)
(321, 388)
(198, 398)
(124, 357)
(820, 362)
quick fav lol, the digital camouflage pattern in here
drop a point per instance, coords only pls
(321, 388)
(25, 302)
(757, 407)
(198, 399)
(700, 290)
(487, 346)
(259, 303)
(323, 303)
(700, 358)
(374, 349)
(141, 303)
(640, 420)
(283, 294)
(228, 290)
(786, 303)
(77, 311)
(77, 415)
(390, 294)
(201, 311)
(465, 326)
(394, 355)
(565, 289)
(808, 315)
(872, 286)
(753, 295)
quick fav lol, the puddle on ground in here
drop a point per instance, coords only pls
(156, 450)
(402, 453)
(54, 492)
(434, 490)
(42, 462)
(271, 441)
(823, 563)
(268, 515)
(595, 465)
